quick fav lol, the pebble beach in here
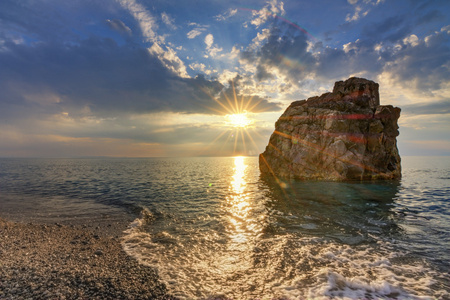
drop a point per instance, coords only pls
(77, 261)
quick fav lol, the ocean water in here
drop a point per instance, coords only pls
(215, 230)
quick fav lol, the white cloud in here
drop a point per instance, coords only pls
(234, 53)
(272, 8)
(148, 25)
(197, 66)
(211, 49)
(361, 9)
(198, 30)
(260, 37)
(201, 67)
(350, 46)
(194, 33)
(168, 21)
(170, 59)
(227, 76)
(228, 14)
(214, 50)
(146, 21)
(277, 8)
(411, 40)
(355, 16)
(209, 40)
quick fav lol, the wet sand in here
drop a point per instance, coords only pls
(71, 261)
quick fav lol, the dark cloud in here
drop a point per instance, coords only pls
(391, 29)
(96, 75)
(385, 46)
(81, 69)
(106, 78)
(103, 76)
(262, 74)
(285, 51)
(288, 53)
(424, 64)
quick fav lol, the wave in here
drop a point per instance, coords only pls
(279, 267)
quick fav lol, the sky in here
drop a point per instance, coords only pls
(151, 78)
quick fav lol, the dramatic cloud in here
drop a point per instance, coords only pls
(278, 53)
(119, 79)
(287, 54)
(73, 72)
(422, 63)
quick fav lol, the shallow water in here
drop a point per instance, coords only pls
(214, 229)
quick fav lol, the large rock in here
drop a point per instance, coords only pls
(343, 135)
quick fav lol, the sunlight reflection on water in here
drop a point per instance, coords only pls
(212, 226)
(242, 224)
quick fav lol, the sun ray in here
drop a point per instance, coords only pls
(241, 108)
(255, 105)
(235, 100)
(257, 133)
(236, 110)
(248, 103)
(251, 139)
(243, 139)
(227, 109)
(232, 109)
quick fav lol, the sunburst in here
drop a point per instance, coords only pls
(239, 122)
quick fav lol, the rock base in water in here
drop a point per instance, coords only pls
(343, 135)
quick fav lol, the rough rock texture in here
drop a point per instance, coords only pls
(343, 135)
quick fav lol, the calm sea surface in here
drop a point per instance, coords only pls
(214, 229)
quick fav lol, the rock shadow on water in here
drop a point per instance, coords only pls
(342, 239)
(350, 212)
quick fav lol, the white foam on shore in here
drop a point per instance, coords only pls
(279, 267)
(137, 242)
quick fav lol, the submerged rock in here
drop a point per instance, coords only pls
(343, 135)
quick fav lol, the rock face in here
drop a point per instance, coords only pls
(343, 135)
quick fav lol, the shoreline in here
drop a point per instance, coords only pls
(75, 261)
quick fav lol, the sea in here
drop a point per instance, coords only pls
(215, 229)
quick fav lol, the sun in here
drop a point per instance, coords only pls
(239, 120)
